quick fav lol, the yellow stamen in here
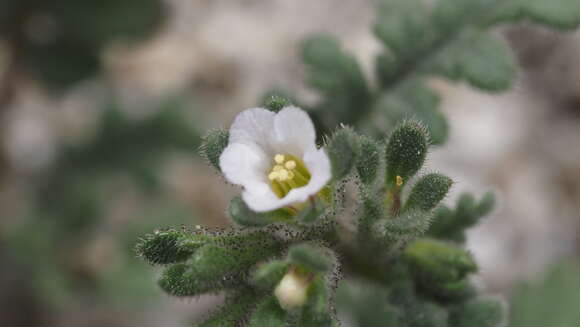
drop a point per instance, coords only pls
(273, 175)
(282, 175)
(287, 173)
(399, 180)
(290, 164)
(279, 158)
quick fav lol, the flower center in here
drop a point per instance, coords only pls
(287, 173)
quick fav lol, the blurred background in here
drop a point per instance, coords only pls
(102, 106)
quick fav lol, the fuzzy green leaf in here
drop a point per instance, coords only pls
(560, 14)
(338, 77)
(213, 145)
(401, 229)
(268, 313)
(399, 22)
(234, 311)
(368, 161)
(311, 257)
(440, 268)
(406, 151)
(480, 59)
(163, 247)
(269, 274)
(479, 312)
(342, 150)
(315, 313)
(429, 191)
(451, 223)
(244, 216)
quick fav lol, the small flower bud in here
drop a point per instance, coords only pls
(292, 290)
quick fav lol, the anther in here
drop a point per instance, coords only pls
(290, 164)
(279, 158)
(273, 175)
(399, 180)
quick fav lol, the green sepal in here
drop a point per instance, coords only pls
(164, 247)
(428, 192)
(276, 102)
(440, 268)
(212, 146)
(316, 311)
(268, 313)
(406, 151)
(269, 274)
(369, 160)
(311, 213)
(478, 312)
(342, 150)
(312, 258)
(244, 216)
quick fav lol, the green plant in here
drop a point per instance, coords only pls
(397, 254)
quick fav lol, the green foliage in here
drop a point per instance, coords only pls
(479, 312)
(411, 248)
(269, 274)
(310, 257)
(551, 301)
(276, 103)
(440, 268)
(268, 313)
(244, 216)
(338, 77)
(369, 160)
(406, 151)
(164, 247)
(451, 223)
(61, 43)
(429, 191)
(343, 149)
(212, 146)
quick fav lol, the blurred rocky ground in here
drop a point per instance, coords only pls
(523, 144)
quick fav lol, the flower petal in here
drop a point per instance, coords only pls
(261, 198)
(294, 131)
(253, 127)
(243, 164)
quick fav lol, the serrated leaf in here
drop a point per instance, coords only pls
(401, 25)
(338, 77)
(478, 58)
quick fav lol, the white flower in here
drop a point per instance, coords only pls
(275, 158)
